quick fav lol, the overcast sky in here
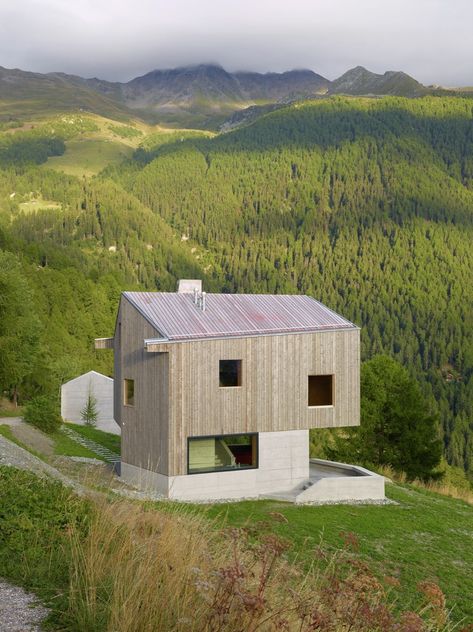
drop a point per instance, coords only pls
(119, 39)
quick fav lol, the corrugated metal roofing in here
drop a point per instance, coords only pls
(177, 318)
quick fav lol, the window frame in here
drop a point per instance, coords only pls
(252, 435)
(332, 376)
(239, 362)
(125, 402)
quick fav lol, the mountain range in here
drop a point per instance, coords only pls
(202, 95)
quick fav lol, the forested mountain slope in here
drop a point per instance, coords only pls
(366, 204)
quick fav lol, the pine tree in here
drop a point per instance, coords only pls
(90, 413)
(397, 427)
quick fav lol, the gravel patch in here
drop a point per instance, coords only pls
(19, 610)
(33, 438)
(14, 456)
(86, 459)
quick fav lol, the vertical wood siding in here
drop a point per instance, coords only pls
(145, 426)
(177, 392)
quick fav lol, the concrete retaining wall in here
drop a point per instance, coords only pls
(354, 483)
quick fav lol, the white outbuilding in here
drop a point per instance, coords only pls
(75, 394)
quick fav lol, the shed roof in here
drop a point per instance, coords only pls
(178, 318)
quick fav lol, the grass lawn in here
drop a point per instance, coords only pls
(423, 537)
(65, 446)
(106, 439)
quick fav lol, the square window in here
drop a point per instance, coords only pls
(230, 373)
(320, 390)
(129, 392)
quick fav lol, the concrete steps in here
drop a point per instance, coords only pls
(334, 482)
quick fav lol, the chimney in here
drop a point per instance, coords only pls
(189, 286)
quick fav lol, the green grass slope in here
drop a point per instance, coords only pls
(24, 95)
(422, 536)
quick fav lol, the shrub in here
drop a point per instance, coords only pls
(43, 413)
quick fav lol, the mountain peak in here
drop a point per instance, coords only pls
(360, 81)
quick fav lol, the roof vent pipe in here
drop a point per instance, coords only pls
(196, 296)
(203, 301)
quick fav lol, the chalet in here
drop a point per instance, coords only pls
(215, 393)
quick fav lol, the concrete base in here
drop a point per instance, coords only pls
(331, 482)
(284, 473)
(283, 464)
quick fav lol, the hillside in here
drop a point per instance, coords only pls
(403, 556)
(27, 94)
(366, 204)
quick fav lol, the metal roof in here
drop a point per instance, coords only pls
(178, 318)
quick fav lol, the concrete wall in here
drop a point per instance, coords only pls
(74, 396)
(283, 465)
(355, 483)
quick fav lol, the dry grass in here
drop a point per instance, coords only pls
(142, 570)
(444, 488)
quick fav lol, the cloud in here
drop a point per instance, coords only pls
(119, 39)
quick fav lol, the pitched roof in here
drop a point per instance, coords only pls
(177, 318)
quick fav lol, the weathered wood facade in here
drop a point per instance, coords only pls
(177, 393)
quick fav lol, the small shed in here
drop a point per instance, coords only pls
(74, 395)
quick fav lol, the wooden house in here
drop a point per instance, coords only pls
(215, 393)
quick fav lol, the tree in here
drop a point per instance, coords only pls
(42, 412)
(90, 413)
(19, 326)
(397, 427)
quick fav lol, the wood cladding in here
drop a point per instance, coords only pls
(145, 425)
(104, 343)
(178, 393)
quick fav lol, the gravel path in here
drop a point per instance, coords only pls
(33, 438)
(11, 454)
(19, 610)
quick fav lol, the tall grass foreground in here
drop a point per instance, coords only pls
(142, 570)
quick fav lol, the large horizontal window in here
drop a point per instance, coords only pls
(221, 453)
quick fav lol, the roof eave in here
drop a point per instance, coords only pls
(156, 342)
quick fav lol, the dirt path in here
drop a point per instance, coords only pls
(19, 610)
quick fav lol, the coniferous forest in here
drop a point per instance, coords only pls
(365, 204)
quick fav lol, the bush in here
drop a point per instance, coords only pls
(43, 413)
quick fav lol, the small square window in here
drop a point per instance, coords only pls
(230, 372)
(129, 392)
(320, 390)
